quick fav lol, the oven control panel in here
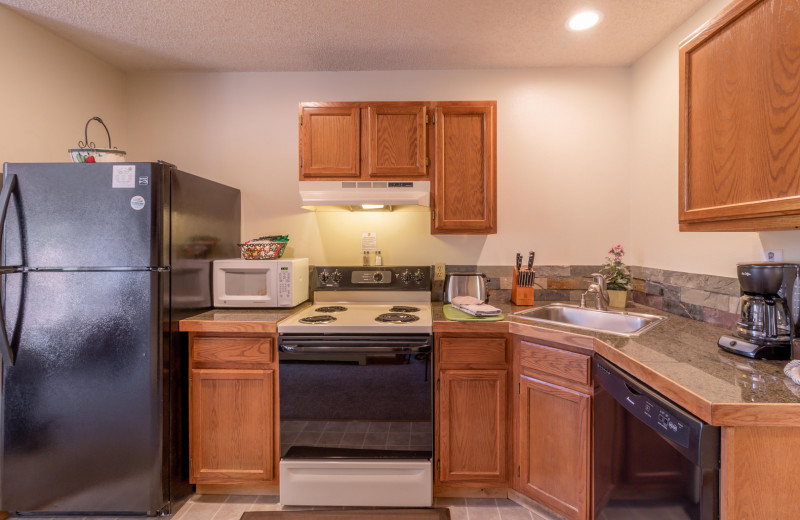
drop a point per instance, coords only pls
(402, 278)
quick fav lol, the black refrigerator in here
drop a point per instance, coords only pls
(100, 262)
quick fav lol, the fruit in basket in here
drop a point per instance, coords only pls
(264, 248)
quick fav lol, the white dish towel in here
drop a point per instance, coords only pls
(474, 306)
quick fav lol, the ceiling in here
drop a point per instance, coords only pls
(339, 35)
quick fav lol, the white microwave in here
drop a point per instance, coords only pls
(260, 283)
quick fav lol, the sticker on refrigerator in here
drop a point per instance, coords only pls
(123, 176)
(137, 202)
(144, 181)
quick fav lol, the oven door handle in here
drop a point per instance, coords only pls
(295, 348)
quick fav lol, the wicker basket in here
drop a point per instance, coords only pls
(264, 248)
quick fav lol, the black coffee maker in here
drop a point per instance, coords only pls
(768, 311)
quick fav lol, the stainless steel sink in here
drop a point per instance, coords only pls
(622, 323)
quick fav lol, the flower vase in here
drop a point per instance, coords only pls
(617, 298)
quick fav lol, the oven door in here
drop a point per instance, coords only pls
(356, 419)
(245, 283)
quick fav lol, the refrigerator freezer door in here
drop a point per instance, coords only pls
(83, 406)
(85, 215)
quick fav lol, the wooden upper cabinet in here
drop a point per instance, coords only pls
(397, 140)
(465, 185)
(330, 138)
(739, 120)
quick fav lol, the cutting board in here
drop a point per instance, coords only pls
(453, 314)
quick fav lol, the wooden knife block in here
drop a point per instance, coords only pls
(520, 295)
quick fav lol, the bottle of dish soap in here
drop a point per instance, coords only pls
(378, 258)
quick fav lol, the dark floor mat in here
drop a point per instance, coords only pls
(437, 513)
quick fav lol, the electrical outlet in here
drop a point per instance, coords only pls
(438, 272)
(772, 255)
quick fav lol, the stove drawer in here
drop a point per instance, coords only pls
(232, 350)
(483, 351)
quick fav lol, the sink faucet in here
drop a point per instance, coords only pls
(598, 288)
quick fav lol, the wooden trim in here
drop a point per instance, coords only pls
(785, 222)
(470, 328)
(265, 327)
(555, 338)
(460, 491)
(761, 414)
(232, 350)
(481, 350)
(250, 488)
(555, 362)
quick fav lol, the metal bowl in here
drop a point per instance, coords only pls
(764, 278)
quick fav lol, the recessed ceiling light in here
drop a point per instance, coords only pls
(584, 20)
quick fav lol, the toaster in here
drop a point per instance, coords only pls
(465, 284)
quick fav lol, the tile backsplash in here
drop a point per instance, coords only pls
(702, 297)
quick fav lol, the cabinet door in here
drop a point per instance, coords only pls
(554, 447)
(739, 123)
(472, 423)
(232, 426)
(397, 137)
(465, 185)
(329, 141)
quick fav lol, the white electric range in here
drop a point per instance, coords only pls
(356, 390)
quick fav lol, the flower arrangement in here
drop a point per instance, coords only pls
(618, 277)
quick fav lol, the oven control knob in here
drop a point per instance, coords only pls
(337, 276)
(419, 276)
(405, 276)
(377, 277)
(324, 276)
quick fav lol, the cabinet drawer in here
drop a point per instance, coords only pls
(206, 349)
(472, 350)
(560, 363)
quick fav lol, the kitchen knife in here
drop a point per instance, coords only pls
(519, 261)
(530, 260)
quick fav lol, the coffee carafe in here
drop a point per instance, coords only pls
(768, 311)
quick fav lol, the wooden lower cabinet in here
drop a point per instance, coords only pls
(472, 426)
(555, 446)
(472, 410)
(232, 416)
(233, 410)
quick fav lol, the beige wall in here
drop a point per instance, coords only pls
(655, 239)
(49, 89)
(562, 157)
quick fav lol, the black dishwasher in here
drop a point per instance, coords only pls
(652, 459)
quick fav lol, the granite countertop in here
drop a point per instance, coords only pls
(679, 358)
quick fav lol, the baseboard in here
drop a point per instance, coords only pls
(469, 492)
(237, 489)
(527, 503)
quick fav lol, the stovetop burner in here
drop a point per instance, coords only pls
(404, 308)
(396, 317)
(331, 308)
(318, 318)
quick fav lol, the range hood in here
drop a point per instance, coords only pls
(357, 193)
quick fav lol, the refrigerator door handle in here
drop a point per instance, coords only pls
(5, 197)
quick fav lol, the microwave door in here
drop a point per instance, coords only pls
(245, 286)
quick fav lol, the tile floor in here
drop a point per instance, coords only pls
(231, 507)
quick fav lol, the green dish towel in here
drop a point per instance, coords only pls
(453, 314)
